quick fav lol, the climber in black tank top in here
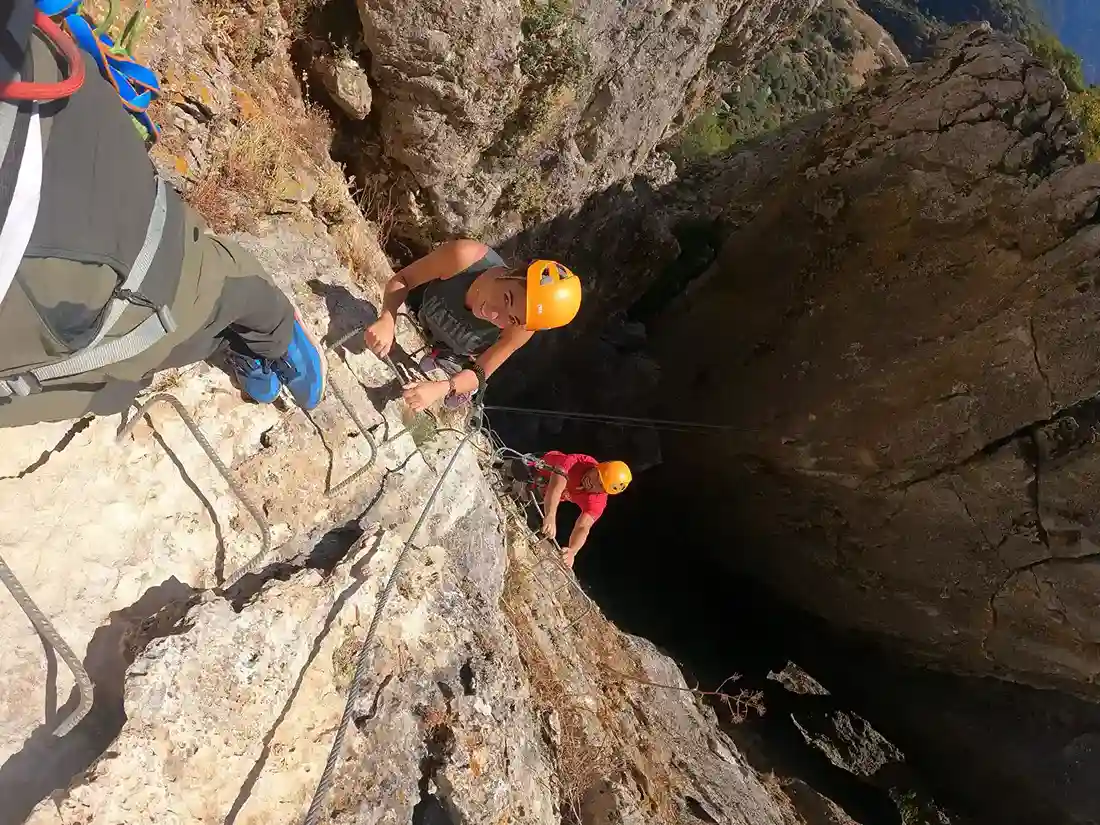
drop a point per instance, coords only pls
(468, 301)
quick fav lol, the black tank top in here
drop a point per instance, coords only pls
(440, 306)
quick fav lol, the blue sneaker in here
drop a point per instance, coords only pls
(302, 369)
(255, 377)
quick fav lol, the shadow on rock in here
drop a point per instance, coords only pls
(346, 312)
(359, 578)
(350, 313)
(46, 763)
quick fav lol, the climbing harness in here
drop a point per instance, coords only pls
(626, 421)
(136, 84)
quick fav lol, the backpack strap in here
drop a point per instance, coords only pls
(99, 353)
(21, 156)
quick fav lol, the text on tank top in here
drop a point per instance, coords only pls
(446, 319)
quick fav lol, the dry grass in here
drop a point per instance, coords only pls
(776, 788)
(259, 169)
(376, 202)
(566, 641)
(99, 10)
(582, 760)
(358, 241)
(246, 179)
(265, 149)
(593, 749)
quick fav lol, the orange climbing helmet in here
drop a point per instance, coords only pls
(614, 476)
(553, 295)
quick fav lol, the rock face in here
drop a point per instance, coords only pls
(496, 690)
(343, 78)
(899, 329)
(877, 49)
(496, 113)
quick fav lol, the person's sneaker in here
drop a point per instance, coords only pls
(302, 369)
(254, 376)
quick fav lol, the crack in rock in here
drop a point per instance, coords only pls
(1039, 361)
(76, 429)
(358, 579)
(1088, 558)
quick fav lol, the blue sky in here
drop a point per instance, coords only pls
(1077, 23)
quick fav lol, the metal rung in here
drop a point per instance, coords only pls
(53, 638)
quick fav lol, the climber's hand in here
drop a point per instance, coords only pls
(420, 395)
(549, 526)
(379, 335)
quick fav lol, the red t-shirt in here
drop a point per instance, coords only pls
(575, 466)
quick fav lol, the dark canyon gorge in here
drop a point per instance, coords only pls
(868, 264)
(893, 308)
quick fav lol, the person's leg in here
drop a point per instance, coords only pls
(256, 325)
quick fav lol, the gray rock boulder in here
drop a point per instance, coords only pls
(493, 110)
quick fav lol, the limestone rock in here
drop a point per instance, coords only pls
(467, 710)
(890, 305)
(496, 690)
(496, 107)
(343, 78)
(877, 48)
(110, 533)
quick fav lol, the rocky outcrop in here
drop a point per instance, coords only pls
(343, 78)
(876, 49)
(898, 327)
(496, 690)
(925, 262)
(495, 114)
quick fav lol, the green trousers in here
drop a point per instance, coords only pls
(224, 298)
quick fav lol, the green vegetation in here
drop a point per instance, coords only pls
(804, 75)
(1086, 108)
(1056, 57)
(916, 24)
(708, 134)
(551, 54)
(811, 72)
(553, 63)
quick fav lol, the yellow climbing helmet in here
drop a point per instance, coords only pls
(553, 295)
(614, 476)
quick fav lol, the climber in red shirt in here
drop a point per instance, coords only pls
(576, 478)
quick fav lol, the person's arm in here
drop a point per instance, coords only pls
(510, 340)
(422, 394)
(551, 498)
(577, 538)
(443, 262)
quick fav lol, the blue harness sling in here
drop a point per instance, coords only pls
(137, 85)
